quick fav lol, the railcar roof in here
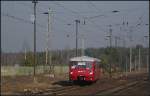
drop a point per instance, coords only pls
(84, 58)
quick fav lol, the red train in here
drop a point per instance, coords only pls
(84, 68)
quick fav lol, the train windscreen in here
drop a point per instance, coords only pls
(76, 64)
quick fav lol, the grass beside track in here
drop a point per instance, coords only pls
(24, 70)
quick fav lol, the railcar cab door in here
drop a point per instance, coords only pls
(96, 67)
(99, 69)
(72, 66)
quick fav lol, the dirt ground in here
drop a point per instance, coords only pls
(15, 84)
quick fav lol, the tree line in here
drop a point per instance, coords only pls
(117, 56)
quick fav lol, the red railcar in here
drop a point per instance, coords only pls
(84, 68)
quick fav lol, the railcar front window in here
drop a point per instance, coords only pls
(82, 64)
(88, 65)
(73, 65)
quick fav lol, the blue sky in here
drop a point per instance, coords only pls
(18, 34)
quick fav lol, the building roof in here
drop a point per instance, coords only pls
(84, 58)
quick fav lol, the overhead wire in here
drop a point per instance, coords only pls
(24, 20)
(20, 19)
(78, 14)
(93, 5)
(129, 10)
(61, 20)
(57, 19)
(96, 25)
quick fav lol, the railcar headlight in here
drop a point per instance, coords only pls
(91, 73)
(71, 72)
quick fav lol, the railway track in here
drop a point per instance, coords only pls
(125, 89)
(52, 91)
(114, 89)
(59, 91)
